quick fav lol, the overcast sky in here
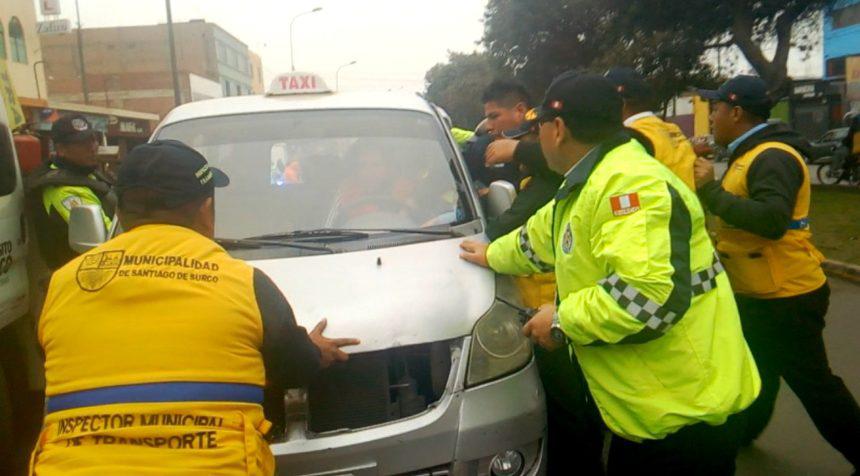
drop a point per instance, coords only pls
(393, 41)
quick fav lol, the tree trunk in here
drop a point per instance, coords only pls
(774, 72)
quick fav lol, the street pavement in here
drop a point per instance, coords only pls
(791, 445)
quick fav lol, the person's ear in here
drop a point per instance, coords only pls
(521, 108)
(737, 114)
(206, 217)
(559, 132)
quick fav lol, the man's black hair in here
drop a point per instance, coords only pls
(506, 92)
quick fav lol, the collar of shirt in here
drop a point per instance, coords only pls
(740, 140)
(578, 174)
(635, 117)
(64, 164)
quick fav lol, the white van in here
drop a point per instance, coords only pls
(14, 301)
(355, 206)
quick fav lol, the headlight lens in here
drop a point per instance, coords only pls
(498, 346)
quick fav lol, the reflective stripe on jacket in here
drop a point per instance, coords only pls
(651, 317)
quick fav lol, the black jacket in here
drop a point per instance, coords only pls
(52, 230)
(541, 189)
(773, 181)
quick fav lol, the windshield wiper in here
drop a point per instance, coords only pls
(313, 234)
(416, 231)
(259, 243)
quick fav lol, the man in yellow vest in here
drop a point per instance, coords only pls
(158, 344)
(642, 301)
(668, 143)
(764, 242)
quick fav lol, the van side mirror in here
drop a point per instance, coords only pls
(86, 228)
(500, 198)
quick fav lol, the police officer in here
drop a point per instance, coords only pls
(764, 240)
(666, 140)
(642, 301)
(69, 180)
(158, 343)
(570, 417)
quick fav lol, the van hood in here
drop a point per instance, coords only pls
(391, 297)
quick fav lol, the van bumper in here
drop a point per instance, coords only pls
(459, 436)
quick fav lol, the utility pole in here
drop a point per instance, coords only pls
(293, 20)
(84, 88)
(337, 74)
(177, 94)
(36, 78)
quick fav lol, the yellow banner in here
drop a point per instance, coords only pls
(7, 91)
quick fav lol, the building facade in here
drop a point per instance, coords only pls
(842, 50)
(129, 67)
(19, 47)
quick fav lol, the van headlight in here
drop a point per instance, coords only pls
(498, 346)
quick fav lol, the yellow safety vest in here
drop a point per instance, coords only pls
(537, 289)
(153, 360)
(671, 147)
(764, 268)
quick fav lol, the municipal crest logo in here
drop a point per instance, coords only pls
(97, 270)
(79, 124)
(567, 240)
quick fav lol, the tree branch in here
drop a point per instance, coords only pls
(742, 34)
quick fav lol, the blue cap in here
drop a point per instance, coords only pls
(176, 172)
(747, 92)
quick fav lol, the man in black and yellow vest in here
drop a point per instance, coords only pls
(158, 344)
(665, 140)
(764, 241)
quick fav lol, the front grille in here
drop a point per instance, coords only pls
(378, 387)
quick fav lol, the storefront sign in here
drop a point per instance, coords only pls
(54, 27)
(10, 99)
(49, 7)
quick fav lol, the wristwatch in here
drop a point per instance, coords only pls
(555, 331)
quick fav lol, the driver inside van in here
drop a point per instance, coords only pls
(377, 185)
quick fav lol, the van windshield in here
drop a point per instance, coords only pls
(306, 170)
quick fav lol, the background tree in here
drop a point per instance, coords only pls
(666, 40)
(538, 39)
(457, 85)
(751, 25)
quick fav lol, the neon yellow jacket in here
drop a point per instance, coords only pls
(461, 136)
(647, 307)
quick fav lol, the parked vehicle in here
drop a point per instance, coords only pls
(828, 175)
(826, 145)
(358, 203)
(17, 370)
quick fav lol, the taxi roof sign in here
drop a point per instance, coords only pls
(297, 83)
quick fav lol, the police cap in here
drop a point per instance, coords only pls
(588, 103)
(71, 129)
(747, 92)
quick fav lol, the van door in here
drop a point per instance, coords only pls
(13, 239)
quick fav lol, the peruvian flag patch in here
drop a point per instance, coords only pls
(624, 204)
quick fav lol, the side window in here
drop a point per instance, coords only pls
(7, 162)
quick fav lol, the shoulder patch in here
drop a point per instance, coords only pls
(72, 202)
(624, 204)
